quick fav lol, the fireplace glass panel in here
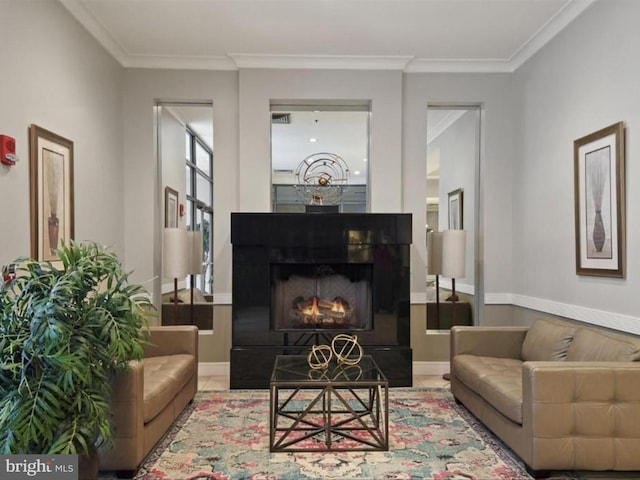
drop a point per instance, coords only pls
(321, 297)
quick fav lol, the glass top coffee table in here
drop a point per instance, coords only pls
(340, 408)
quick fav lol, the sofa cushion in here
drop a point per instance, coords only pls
(164, 377)
(591, 344)
(497, 380)
(547, 340)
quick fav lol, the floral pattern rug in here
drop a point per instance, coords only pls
(225, 435)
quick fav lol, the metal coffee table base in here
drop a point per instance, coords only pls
(329, 418)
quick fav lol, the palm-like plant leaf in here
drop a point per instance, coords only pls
(64, 332)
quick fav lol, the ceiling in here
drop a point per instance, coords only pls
(408, 35)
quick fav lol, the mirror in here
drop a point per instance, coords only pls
(319, 156)
(185, 183)
(453, 156)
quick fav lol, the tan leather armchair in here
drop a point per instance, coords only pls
(151, 395)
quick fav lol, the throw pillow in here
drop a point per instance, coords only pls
(547, 340)
(600, 346)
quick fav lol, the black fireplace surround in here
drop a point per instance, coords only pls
(366, 259)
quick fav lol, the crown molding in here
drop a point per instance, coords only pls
(96, 29)
(180, 63)
(425, 65)
(336, 62)
(404, 63)
(544, 34)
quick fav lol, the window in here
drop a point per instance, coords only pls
(199, 203)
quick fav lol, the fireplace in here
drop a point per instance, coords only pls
(300, 279)
(321, 297)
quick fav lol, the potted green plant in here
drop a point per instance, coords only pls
(65, 330)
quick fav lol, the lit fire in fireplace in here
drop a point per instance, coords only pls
(320, 312)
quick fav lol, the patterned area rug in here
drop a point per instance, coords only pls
(225, 435)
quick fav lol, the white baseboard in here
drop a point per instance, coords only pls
(430, 368)
(210, 369)
(222, 298)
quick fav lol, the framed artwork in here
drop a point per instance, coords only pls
(51, 186)
(599, 181)
(170, 207)
(455, 210)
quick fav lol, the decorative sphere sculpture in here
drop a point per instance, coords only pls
(319, 357)
(346, 349)
(322, 178)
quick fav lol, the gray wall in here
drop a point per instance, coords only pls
(493, 92)
(582, 81)
(143, 224)
(382, 88)
(56, 76)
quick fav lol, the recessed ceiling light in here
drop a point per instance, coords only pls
(357, 172)
(313, 140)
(365, 159)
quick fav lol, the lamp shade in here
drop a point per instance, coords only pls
(434, 253)
(195, 249)
(175, 253)
(454, 244)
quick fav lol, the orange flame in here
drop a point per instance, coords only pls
(337, 307)
(313, 310)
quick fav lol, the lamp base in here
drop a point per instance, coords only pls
(453, 298)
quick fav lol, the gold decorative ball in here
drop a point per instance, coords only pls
(323, 181)
(319, 357)
(346, 349)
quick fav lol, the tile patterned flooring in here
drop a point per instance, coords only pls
(221, 382)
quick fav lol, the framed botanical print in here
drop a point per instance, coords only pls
(170, 207)
(51, 186)
(455, 210)
(599, 183)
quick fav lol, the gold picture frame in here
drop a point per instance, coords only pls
(170, 207)
(456, 210)
(599, 184)
(51, 189)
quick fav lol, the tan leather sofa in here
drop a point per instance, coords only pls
(562, 395)
(151, 395)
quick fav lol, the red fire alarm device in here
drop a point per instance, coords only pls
(9, 272)
(8, 150)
